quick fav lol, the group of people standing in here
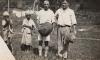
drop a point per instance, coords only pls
(64, 19)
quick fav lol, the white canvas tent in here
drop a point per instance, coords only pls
(5, 53)
(20, 13)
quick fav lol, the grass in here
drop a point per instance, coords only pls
(81, 49)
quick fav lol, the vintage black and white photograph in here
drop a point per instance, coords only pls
(49, 30)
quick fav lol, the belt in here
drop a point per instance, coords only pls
(64, 26)
(28, 33)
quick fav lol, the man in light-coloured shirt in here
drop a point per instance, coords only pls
(45, 15)
(66, 22)
(7, 29)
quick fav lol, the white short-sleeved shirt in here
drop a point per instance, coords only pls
(45, 16)
(28, 23)
(65, 17)
(4, 22)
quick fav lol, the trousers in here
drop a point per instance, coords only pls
(64, 36)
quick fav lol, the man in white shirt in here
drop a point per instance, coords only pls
(45, 15)
(28, 26)
(65, 21)
(7, 29)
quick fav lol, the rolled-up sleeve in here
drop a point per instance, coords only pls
(73, 18)
(3, 22)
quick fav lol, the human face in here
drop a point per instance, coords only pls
(28, 17)
(65, 5)
(46, 5)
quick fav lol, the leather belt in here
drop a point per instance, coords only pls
(28, 33)
(64, 26)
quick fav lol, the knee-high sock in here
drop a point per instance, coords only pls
(46, 50)
(40, 50)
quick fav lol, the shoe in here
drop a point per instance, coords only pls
(59, 55)
(65, 56)
(65, 59)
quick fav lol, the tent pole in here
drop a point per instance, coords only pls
(8, 5)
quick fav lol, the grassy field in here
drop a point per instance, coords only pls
(85, 47)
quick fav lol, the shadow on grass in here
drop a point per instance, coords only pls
(35, 51)
(52, 50)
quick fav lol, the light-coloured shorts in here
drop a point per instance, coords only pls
(46, 38)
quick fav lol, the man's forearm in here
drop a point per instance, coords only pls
(74, 29)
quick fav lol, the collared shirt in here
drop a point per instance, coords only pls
(65, 17)
(4, 22)
(45, 16)
(28, 23)
(7, 24)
